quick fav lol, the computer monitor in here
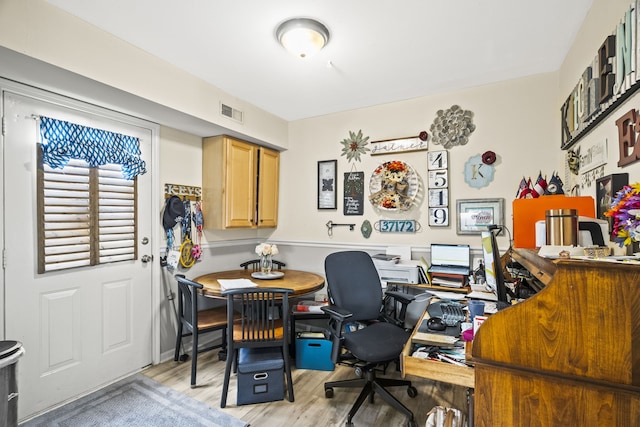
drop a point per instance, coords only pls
(492, 266)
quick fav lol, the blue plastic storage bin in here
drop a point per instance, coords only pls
(314, 353)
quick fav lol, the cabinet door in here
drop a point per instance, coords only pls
(240, 184)
(268, 182)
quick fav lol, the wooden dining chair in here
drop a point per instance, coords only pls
(194, 322)
(256, 328)
(255, 264)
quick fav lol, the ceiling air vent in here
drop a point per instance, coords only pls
(231, 113)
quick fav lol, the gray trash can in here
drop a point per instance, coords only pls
(10, 352)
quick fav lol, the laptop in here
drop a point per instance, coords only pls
(450, 259)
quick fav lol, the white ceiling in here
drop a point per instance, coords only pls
(381, 50)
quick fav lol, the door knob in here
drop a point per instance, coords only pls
(146, 258)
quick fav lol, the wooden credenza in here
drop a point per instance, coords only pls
(568, 356)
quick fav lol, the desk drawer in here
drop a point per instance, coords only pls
(435, 370)
(438, 371)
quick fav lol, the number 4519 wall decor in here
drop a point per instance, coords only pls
(438, 188)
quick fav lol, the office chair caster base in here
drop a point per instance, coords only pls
(412, 391)
(328, 393)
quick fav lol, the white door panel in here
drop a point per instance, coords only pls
(83, 327)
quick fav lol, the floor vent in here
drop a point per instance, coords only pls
(231, 113)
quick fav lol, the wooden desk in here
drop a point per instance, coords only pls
(433, 369)
(301, 282)
(567, 356)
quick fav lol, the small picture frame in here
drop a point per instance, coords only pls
(606, 189)
(327, 194)
(475, 215)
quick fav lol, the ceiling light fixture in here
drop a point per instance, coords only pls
(302, 37)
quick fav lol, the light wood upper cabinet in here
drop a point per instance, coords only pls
(268, 176)
(239, 183)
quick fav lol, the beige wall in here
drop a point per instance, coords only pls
(516, 119)
(519, 120)
(601, 21)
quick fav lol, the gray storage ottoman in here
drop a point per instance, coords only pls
(260, 375)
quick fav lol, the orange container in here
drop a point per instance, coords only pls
(526, 212)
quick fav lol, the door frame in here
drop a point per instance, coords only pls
(94, 107)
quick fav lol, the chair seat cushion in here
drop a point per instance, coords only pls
(378, 342)
(212, 318)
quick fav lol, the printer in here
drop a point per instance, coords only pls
(390, 269)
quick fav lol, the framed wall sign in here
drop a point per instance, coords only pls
(353, 193)
(437, 160)
(399, 145)
(439, 217)
(475, 215)
(438, 193)
(397, 226)
(327, 195)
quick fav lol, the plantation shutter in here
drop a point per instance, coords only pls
(86, 196)
(116, 216)
(64, 234)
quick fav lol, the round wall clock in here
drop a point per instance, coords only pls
(393, 186)
(477, 173)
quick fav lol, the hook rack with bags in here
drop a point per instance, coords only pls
(183, 207)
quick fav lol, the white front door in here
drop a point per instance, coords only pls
(82, 327)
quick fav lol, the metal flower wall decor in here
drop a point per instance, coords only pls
(354, 146)
(452, 127)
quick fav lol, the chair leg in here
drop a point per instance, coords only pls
(391, 400)
(356, 382)
(194, 358)
(366, 391)
(176, 355)
(287, 370)
(227, 375)
(370, 386)
(222, 354)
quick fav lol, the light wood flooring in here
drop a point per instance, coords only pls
(311, 407)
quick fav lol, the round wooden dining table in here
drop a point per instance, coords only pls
(301, 282)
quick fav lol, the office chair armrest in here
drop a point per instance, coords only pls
(404, 299)
(337, 313)
(337, 316)
(401, 297)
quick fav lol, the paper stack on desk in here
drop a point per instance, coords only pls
(226, 284)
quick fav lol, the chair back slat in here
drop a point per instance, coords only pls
(255, 265)
(258, 311)
(188, 300)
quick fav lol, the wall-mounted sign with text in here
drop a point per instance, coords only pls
(606, 83)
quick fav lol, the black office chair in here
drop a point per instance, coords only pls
(355, 295)
(192, 321)
(256, 327)
(255, 264)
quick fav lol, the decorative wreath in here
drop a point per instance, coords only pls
(452, 127)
